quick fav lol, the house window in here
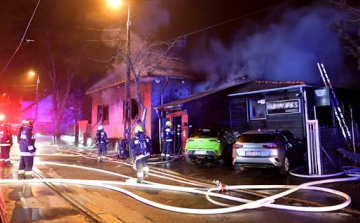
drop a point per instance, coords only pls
(103, 114)
(134, 109)
(257, 108)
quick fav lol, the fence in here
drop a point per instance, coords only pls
(49, 128)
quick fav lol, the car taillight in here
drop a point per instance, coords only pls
(237, 146)
(271, 146)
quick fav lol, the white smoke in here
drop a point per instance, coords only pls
(286, 49)
(145, 21)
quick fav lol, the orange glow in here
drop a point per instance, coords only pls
(31, 73)
(114, 3)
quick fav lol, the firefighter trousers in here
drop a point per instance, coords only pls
(102, 151)
(142, 168)
(166, 150)
(25, 166)
(5, 155)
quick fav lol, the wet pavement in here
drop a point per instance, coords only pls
(207, 173)
(225, 174)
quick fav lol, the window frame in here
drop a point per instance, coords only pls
(251, 108)
(103, 118)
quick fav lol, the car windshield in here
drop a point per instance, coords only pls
(257, 138)
(204, 133)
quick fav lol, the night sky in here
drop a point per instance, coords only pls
(272, 40)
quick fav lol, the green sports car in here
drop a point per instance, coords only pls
(207, 145)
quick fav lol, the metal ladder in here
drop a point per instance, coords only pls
(335, 103)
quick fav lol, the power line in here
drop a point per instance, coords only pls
(230, 20)
(22, 39)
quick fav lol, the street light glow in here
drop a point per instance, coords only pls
(31, 73)
(114, 3)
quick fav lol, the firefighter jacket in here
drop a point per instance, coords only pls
(141, 145)
(19, 133)
(101, 137)
(167, 133)
(5, 138)
(27, 142)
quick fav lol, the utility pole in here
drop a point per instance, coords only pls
(127, 80)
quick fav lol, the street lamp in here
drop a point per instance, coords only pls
(31, 74)
(115, 4)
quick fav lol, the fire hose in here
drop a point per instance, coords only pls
(208, 192)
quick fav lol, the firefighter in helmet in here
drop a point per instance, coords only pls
(27, 150)
(6, 143)
(101, 142)
(167, 137)
(141, 145)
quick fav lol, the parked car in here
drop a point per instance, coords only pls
(209, 145)
(268, 149)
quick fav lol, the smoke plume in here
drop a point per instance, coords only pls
(287, 48)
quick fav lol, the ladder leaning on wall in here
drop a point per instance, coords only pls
(335, 103)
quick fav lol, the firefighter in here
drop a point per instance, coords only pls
(6, 143)
(141, 145)
(27, 150)
(167, 137)
(101, 142)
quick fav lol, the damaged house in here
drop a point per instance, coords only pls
(156, 88)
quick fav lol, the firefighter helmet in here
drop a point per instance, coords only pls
(168, 123)
(100, 127)
(138, 128)
(28, 122)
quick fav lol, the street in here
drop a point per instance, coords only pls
(41, 200)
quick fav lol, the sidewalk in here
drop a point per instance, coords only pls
(351, 188)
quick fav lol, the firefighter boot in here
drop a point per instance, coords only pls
(29, 177)
(99, 159)
(21, 176)
(140, 180)
(146, 175)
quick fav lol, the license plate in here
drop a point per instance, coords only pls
(252, 153)
(200, 152)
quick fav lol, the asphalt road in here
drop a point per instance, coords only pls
(35, 202)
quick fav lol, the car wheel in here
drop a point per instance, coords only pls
(239, 169)
(285, 167)
(191, 161)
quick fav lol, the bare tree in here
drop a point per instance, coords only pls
(61, 68)
(145, 57)
(61, 46)
(348, 26)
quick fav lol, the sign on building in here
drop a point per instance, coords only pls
(283, 107)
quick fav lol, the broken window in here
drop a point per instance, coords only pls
(103, 114)
(134, 109)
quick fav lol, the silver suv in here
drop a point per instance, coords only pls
(267, 149)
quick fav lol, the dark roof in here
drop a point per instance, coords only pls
(243, 88)
(177, 71)
(179, 102)
(260, 86)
